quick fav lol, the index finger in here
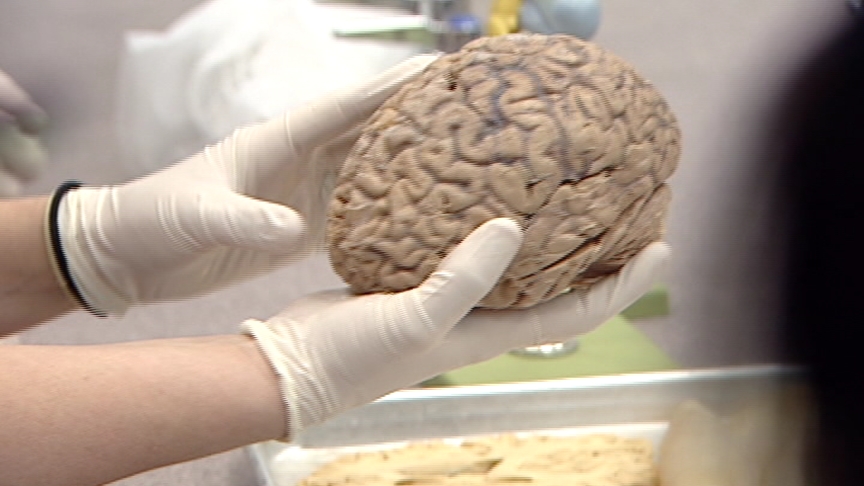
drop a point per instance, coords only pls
(321, 120)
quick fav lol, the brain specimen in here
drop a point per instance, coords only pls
(551, 131)
(535, 460)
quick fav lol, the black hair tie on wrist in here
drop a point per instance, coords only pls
(57, 247)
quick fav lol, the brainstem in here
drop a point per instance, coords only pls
(551, 131)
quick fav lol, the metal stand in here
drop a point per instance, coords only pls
(554, 350)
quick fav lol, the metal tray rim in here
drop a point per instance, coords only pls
(593, 382)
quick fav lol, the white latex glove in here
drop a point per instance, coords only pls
(225, 214)
(21, 154)
(333, 351)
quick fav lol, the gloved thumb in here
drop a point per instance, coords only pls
(470, 271)
(236, 220)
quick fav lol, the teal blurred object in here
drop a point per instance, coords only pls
(579, 18)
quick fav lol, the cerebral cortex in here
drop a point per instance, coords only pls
(556, 133)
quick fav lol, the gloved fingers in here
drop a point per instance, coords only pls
(15, 102)
(31, 119)
(328, 158)
(265, 164)
(21, 154)
(581, 311)
(486, 333)
(603, 300)
(615, 293)
(311, 197)
(319, 121)
(9, 185)
(231, 219)
(263, 152)
(317, 178)
(469, 272)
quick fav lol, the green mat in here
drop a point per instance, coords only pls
(615, 347)
(654, 303)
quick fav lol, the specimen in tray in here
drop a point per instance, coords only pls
(588, 460)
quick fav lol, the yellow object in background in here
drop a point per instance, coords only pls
(504, 18)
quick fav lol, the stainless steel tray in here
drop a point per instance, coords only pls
(630, 405)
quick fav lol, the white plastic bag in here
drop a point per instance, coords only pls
(228, 63)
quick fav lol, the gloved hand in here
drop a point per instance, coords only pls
(333, 351)
(21, 154)
(225, 214)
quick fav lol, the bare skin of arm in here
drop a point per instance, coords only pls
(29, 290)
(88, 415)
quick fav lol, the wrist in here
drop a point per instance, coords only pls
(57, 253)
(83, 246)
(29, 290)
(269, 401)
(268, 350)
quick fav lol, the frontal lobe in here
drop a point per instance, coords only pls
(554, 132)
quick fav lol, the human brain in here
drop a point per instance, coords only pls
(556, 133)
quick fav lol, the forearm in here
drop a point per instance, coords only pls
(88, 415)
(29, 290)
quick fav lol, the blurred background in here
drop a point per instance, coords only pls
(133, 85)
